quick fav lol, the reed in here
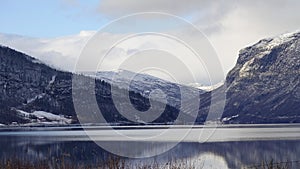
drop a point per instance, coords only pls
(271, 165)
(118, 163)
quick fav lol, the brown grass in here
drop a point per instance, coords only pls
(271, 165)
(111, 163)
(118, 163)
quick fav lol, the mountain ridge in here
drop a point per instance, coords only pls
(28, 85)
(263, 87)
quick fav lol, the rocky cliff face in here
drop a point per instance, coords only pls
(264, 86)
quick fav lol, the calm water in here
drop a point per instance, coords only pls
(226, 147)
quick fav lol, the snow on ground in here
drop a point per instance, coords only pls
(51, 117)
(52, 80)
(43, 117)
(24, 114)
(265, 46)
(39, 96)
(276, 41)
(36, 97)
(206, 88)
(229, 118)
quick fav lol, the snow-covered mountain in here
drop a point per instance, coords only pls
(264, 86)
(144, 84)
(34, 92)
(29, 86)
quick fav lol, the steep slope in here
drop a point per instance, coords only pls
(29, 85)
(32, 92)
(264, 86)
(144, 84)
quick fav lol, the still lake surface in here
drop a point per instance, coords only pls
(230, 146)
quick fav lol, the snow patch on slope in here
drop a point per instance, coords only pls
(39, 96)
(24, 114)
(206, 88)
(244, 71)
(229, 118)
(35, 98)
(44, 117)
(52, 80)
(265, 46)
(270, 43)
(50, 116)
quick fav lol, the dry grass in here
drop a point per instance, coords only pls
(111, 163)
(271, 165)
(118, 163)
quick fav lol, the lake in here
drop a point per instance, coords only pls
(230, 146)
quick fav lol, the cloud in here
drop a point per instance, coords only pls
(228, 25)
(205, 13)
(251, 21)
(63, 53)
(60, 52)
(177, 7)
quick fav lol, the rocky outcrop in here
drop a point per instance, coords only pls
(264, 86)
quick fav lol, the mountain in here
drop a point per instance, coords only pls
(264, 86)
(27, 85)
(32, 92)
(144, 84)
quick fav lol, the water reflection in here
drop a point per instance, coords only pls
(213, 161)
(207, 155)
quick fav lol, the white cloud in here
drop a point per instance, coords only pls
(63, 52)
(229, 25)
(60, 52)
(115, 8)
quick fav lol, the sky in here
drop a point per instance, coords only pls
(56, 31)
(50, 18)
